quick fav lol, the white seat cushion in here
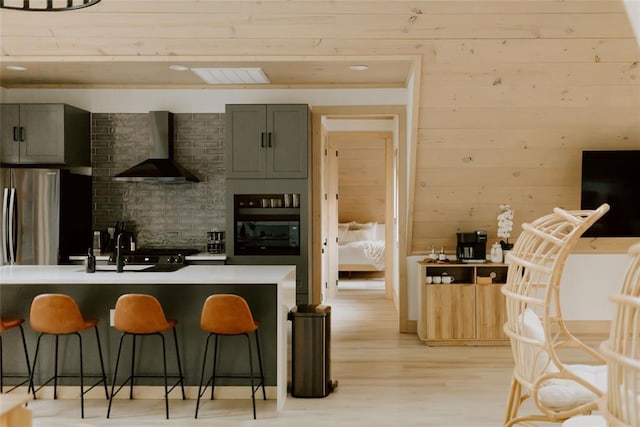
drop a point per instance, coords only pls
(563, 394)
(531, 327)
(585, 421)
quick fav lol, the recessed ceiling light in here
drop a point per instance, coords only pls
(223, 76)
(16, 67)
(178, 68)
(359, 67)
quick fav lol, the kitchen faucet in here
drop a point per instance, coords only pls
(119, 257)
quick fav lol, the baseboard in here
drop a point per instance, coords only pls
(412, 327)
(148, 392)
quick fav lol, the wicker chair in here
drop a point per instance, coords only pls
(536, 328)
(621, 407)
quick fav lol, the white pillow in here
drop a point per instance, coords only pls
(343, 226)
(353, 225)
(349, 236)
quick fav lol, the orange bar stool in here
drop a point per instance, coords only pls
(140, 314)
(229, 315)
(58, 314)
(6, 324)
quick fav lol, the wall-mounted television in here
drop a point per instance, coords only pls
(612, 177)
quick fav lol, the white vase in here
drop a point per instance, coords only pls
(496, 253)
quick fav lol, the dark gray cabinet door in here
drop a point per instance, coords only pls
(43, 133)
(10, 133)
(287, 141)
(55, 134)
(266, 141)
(245, 141)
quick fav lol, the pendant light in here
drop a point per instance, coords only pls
(46, 5)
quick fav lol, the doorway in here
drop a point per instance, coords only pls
(395, 220)
(360, 186)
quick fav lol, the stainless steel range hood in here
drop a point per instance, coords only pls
(159, 167)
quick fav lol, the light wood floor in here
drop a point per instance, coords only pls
(385, 379)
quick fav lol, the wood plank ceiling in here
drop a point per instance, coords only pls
(511, 91)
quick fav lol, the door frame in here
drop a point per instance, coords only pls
(400, 245)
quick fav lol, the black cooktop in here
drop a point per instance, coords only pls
(166, 251)
(157, 256)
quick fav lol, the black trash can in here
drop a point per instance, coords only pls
(310, 348)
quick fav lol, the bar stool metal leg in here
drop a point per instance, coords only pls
(175, 340)
(257, 335)
(26, 357)
(115, 376)
(215, 365)
(204, 364)
(104, 374)
(253, 388)
(133, 361)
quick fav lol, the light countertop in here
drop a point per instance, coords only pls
(191, 274)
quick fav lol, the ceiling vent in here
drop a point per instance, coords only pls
(229, 76)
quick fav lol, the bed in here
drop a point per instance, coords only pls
(361, 246)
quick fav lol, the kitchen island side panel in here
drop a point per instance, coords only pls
(180, 301)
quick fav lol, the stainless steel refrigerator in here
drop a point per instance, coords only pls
(46, 215)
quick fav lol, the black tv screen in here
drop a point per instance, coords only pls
(612, 177)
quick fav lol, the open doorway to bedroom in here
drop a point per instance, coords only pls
(360, 169)
(324, 236)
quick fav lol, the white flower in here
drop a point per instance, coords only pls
(505, 221)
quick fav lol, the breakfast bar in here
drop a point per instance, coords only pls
(269, 290)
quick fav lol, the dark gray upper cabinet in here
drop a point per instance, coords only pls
(54, 134)
(266, 141)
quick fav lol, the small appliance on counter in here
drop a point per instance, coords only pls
(472, 247)
(215, 242)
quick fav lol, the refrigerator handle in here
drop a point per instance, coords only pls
(4, 238)
(13, 217)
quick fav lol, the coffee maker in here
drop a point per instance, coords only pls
(472, 247)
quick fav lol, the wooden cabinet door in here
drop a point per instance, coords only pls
(245, 141)
(287, 140)
(43, 126)
(491, 311)
(450, 312)
(10, 130)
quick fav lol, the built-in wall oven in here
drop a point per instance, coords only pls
(266, 224)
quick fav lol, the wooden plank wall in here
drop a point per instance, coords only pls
(511, 91)
(361, 176)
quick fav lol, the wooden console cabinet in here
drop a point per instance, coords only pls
(469, 311)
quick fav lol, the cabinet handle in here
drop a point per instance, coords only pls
(269, 139)
(21, 133)
(16, 135)
(262, 135)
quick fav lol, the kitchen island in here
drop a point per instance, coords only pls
(269, 290)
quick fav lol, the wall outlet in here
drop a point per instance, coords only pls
(112, 313)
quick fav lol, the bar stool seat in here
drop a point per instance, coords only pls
(141, 314)
(59, 315)
(229, 315)
(5, 325)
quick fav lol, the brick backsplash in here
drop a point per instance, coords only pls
(160, 215)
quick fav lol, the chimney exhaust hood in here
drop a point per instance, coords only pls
(160, 166)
